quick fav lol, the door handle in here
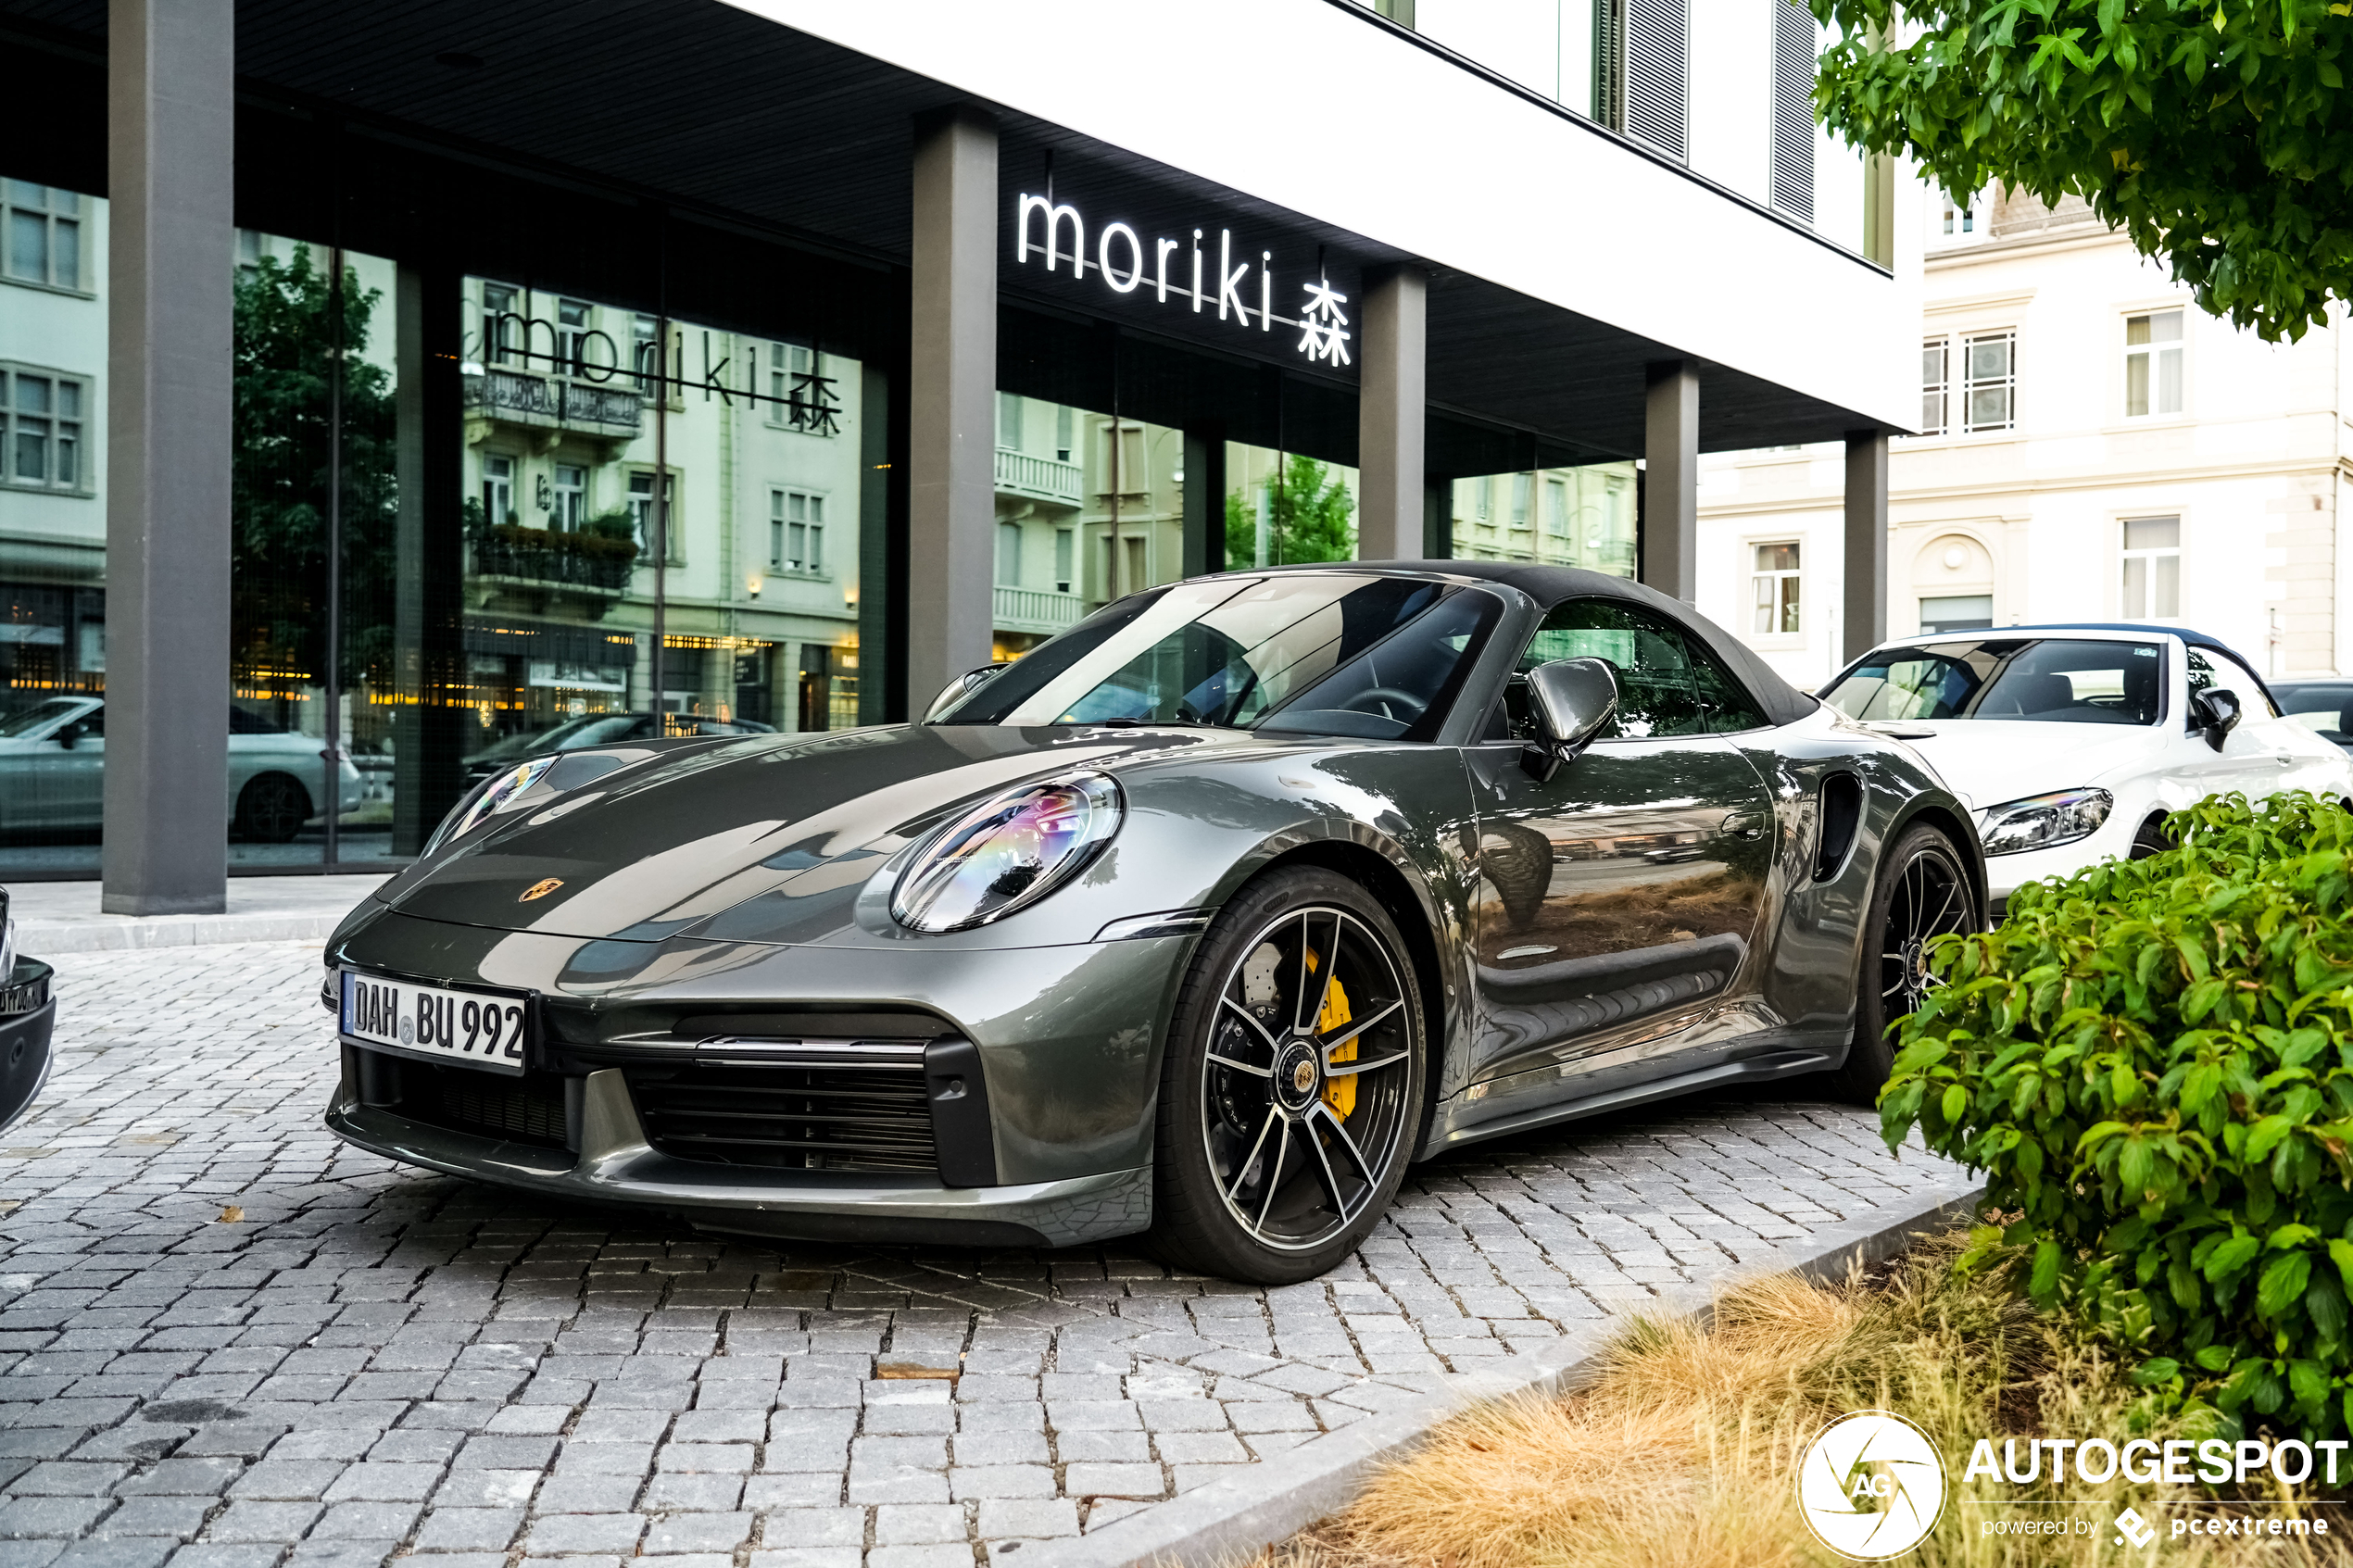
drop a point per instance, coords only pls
(1747, 825)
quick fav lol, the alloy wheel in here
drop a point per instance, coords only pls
(1930, 899)
(1305, 1085)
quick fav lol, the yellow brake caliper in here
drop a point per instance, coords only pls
(1340, 1093)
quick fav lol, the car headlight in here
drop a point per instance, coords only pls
(500, 792)
(2042, 821)
(1010, 850)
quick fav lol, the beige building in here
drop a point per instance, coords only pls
(2091, 446)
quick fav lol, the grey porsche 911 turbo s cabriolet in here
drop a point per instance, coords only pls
(1203, 920)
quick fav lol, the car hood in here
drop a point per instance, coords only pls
(661, 846)
(1987, 761)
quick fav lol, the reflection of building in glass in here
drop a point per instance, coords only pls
(1581, 517)
(566, 447)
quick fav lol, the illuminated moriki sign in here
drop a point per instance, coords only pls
(1124, 264)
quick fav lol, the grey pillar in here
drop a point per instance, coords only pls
(1862, 624)
(1670, 480)
(171, 72)
(1204, 502)
(951, 440)
(1390, 396)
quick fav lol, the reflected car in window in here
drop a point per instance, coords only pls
(2071, 743)
(2325, 707)
(600, 729)
(1203, 920)
(53, 768)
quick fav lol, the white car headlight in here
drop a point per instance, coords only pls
(1010, 850)
(501, 794)
(2042, 821)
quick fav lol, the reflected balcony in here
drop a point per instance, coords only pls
(1037, 479)
(544, 558)
(548, 403)
(1033, 610)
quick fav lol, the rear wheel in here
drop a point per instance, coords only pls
(273, 808)
(1292, 1089)
(1921, 893)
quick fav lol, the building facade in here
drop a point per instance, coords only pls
(2090, 445)
(771, 364)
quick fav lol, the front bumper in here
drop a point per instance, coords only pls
(614, 1163)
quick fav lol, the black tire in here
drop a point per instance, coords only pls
(273, 808)
(1241, 1078)
(2148, 839)
(1921, 891)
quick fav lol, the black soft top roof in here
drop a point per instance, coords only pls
(1548, 585)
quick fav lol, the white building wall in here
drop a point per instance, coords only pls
(2033, 516)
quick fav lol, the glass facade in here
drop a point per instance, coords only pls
(1580, 516)
(662, 526)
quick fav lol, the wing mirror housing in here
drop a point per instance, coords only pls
(2217, 710)
(1572, 700)
(958, 689)
(70, 736)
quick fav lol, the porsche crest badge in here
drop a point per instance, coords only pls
(540, 889)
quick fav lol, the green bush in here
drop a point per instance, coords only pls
(2152, 1062)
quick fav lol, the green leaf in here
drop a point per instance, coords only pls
(2282, 1283)
(1955, 1103)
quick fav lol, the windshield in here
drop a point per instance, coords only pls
(18, 725)
(2052, 680)
(1328, 652)
(2323, 707)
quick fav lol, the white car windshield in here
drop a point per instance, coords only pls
(2053, 679)
(1335, 652)
(32, 721)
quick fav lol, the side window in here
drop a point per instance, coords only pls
(1730, 707)
(1657, 692)
(2207, 668)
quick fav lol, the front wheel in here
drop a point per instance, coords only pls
(1922, 892)
(1292, 1089)
(272, 809)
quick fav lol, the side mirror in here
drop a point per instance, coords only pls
(1572, 700)
(958, 689)
(70, 736)
(2218, 712)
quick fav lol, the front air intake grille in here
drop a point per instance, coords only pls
(526, 1109)
(871, 1115)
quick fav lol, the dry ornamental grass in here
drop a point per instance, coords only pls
(1684, 1453)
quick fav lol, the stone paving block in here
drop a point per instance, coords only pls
(248, 1520)
(1028, 1519)
(208, 1554)
(1098, 1479)
(698, 1532)
(178, 1517)
(585, 1532)
(468, 1530)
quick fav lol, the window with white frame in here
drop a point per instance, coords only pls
(1557, 508)
(502, 324)
(1989, 399)
(1936, 382)
(1773, 588)
(2152, 568)
(43, 237)
(41, 413)
(497, 489)
(645, 354)
(1065, 558)
(1959, 220)
(641, 511)
(801, 396)
(2152, 364)
(568, 500)
(1009, 554)
(796, 530)
(1523, 495)
(574, 323)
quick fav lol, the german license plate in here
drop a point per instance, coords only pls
(476, 1028)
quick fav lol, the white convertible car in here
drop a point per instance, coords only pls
(53, 768)
(2071, 743)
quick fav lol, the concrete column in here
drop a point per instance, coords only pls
(1862, 617)
(1670, 480)
(1390, 399)
(951, 440)
(170, 153)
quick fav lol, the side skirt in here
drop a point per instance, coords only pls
(1450, 1129)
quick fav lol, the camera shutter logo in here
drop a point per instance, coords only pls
(1872, 1485)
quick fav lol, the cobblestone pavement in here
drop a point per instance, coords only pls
(226, 1338)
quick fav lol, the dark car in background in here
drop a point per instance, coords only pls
(2323, 707)
(602, 729)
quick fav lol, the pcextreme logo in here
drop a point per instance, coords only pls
(1872, 1485)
